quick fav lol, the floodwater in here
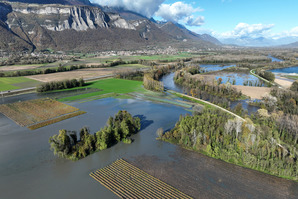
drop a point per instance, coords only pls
(274, 59)
(170, 84)
(289, 70)
(240, 78)
(209, 68)
(28, 169)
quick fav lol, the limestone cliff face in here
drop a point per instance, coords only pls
(60, 18)
(27, 27)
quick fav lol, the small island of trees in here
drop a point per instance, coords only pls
(120, 128)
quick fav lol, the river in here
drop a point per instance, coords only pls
(170, 84)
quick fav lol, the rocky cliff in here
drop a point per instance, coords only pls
(78, 28)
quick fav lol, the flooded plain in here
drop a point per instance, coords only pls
(28, 168)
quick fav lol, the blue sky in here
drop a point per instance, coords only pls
(222, 18)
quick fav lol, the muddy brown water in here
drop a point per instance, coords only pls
(28, 169)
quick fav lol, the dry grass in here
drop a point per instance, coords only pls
(253, 92)
(19, 67)
(83, 73)
(128, 181)
(58, 119)
(33, 112)
(284, 82)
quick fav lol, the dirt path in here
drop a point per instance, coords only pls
(253, 92)
(206, 102)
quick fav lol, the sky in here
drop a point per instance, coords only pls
(222, 18)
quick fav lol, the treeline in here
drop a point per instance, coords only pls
(28, 59)
(229, 58)
(73, 67)
(137, 75)
(152, 84)
(294, 86)
(199, 86)
(59, 85)
(120, 128)
(265, 74)
(42, 71)
(268, 146)
(285, 100)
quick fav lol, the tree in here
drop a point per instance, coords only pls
(294, 86)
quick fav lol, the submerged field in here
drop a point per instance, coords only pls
(39, 112)
(128, 181)
(11, 83)
(113, 86)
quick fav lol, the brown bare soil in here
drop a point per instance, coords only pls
(35, 111)
(21, 67)
(284, 82)
(200, 176)
(253, 92)
(83, 73)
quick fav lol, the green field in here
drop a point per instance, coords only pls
(117, 86)
(294, 77)
(11, 83)
(131, 66)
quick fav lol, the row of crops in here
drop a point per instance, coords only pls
(128, 181)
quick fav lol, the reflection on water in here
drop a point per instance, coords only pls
(238, 78)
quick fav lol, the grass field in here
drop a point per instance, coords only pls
(294, 77)
(118, 86)
(11, 83)
(128, 181)
(32, 112)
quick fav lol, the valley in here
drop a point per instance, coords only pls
(147, 99)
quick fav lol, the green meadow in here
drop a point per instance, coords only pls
(11, 83)
(116, 86)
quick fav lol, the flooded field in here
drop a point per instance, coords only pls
(170, 84)
(240, 78)
(210, 68)
(289, 70)
(29, 169)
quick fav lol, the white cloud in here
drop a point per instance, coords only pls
(243, 30)
(291, 33)
(175, 12)
(143, 7)
(194, 21)
(180, 11)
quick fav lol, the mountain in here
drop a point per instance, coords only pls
(292, 45)
(63, 2)
(180, 32)
(259, 42)
(67, 26)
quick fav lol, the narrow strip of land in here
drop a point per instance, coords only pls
(209, 103)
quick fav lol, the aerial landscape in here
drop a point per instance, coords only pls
(148, 99)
